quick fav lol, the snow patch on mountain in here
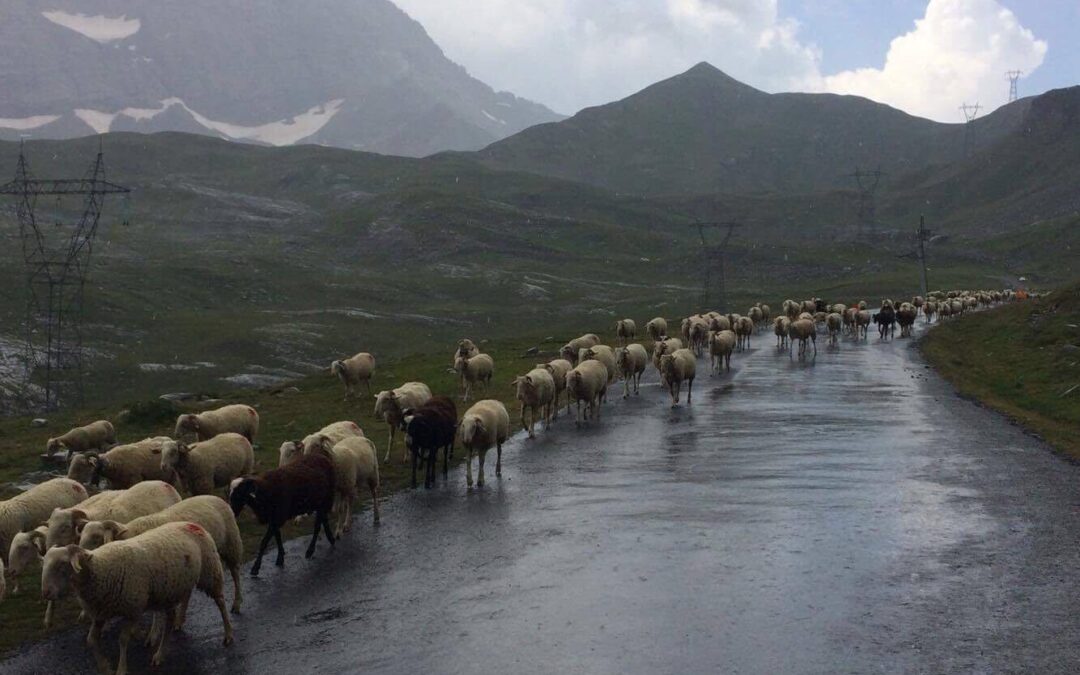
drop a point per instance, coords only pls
(98, 28)
(492, 117)
(282, 132)
(27, 123)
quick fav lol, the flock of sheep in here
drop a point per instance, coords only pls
(140, 547)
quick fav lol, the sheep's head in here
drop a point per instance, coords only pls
(174, 454)
(336, 368)
(60, 565)
(26, 549)
(98, 466)
(65, 526)
(289, 451)
(97, 533)
(242, 492)
(53, 445)
(471, 427)
(186, 423)
(80, 469)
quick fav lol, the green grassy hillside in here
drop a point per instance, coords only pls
(1022, 359)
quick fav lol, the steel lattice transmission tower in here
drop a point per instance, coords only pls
(867, 183)
(1014, 78)
(57, 258)
(714, 282)
(970, 113)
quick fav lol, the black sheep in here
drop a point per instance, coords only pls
(427, 429)
(303, 486)
(886, 321)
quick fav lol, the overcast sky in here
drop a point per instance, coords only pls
(923, 56)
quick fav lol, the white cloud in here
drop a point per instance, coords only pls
(958, 52)
(570, 54)
(573, 53)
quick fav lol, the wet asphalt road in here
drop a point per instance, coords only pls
(844, 515)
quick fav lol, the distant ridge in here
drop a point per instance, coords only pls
(703, 131)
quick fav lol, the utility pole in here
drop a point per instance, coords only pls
(970, 113)
(713, 261)
(1014, 77)
(923, 235)
(57, 260)
(867, 183)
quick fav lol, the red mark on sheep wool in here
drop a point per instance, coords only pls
(194, 529)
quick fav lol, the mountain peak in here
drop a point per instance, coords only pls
(358, 74)
(706, 71)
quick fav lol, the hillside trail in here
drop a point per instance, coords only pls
(846, 514)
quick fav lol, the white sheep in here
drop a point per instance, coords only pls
(354, 371)
(587, 382)
(625, 331)
(27, 548)
(719, 323)
(474, 370)
(367, 473)
(667, 346)
(605, 355)
(698, 334)
(721, 345)
(390, 404)
(559, 369)
(240, 419)
(211, 464)
(98, 435)
(862, 323)
(156, 571)
(679, 367)
(466, 349)
(780, 328)
(124, 465)
(66, 523)
(355, 463)
(213, 513)
(335, 431)
(744, 328)
(657, 329)
(535, 392)
(27, 510)
(485, 425)
(835, 323)
(632, 361)
(756, 315)
(572, 349)
(802, 330)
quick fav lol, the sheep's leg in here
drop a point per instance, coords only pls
(238, 598)
(48, 614)
(219, 600)
(468, 467)
(480, 477)
(320, 517)
(374, 487)
(498, 460)
(446, 460)
(125, 638)
(159, 652)
(414, 461)
(689, 390)
(93, 640)
(389, 444)
(262, 549)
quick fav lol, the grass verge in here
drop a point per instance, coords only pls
(1021, 359)
(286, 412)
